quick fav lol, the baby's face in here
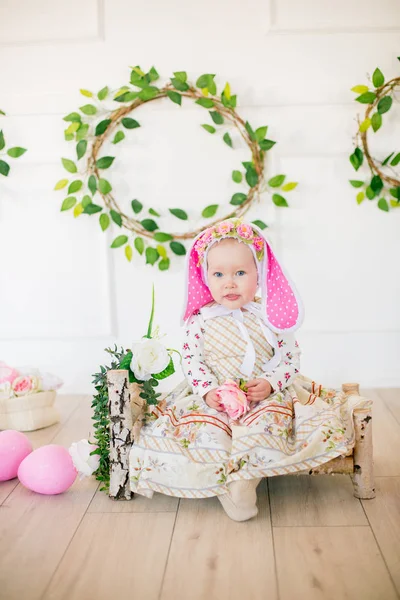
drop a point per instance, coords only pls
(232, 273)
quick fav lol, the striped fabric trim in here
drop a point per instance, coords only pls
(311, 399)
(287, 445)
(170, 446)
(202, 418)
(249, 473)
(240, 445)
(196, 413)
(316, 389)
(310, 463)
(256, 414)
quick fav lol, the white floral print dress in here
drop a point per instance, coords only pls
(190, 450)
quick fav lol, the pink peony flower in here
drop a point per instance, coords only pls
(22, 385)
(232, 399)
(199, 245)
(208, 239)
(245, 231)
(25, 385)
(225, 227)
(204, 240)
(208, 235)
(258, 243)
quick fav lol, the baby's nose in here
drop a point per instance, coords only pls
(230, 283)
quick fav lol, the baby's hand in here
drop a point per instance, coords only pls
(258, 389)
(212, 400)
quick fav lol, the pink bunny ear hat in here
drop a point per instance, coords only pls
(281, 304)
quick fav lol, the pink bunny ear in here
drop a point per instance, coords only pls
(281, 302)
(197, 293)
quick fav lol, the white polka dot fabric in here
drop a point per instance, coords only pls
(198, 294)
(282, 306)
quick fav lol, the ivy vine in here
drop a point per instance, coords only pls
(101, 418)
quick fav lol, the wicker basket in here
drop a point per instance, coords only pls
(28, 413)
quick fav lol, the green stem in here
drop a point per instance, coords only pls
(150, 327)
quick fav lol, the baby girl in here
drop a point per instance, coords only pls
(191, 447)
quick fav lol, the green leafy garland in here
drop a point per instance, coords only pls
(101, 418)
(14, 152)
(96, 122)
(383, 184)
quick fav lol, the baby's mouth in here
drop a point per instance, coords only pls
(231, 296)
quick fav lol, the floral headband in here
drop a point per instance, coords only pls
(235, 229)
(281, 304)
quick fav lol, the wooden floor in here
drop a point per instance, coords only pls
(312, 539)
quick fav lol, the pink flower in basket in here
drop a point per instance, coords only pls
(232, 399)
(24, 385)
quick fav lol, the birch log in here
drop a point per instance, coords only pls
(363, 475)
(120, 433)
(138, 408)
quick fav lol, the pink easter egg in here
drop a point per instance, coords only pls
(48, 470)
(14, 447)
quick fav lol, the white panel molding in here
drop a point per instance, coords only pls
(99, 36)
(276, 29)
(101, 26)
(331, 30)
(47, 104)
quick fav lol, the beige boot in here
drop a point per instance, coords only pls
(240, 503)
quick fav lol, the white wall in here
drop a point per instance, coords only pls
(65, 296)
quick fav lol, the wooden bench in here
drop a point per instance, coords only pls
(126, 408)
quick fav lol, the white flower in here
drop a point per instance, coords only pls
(148, 357)
(5, 390)
(46, 381)
(50, 382)
(85, 464)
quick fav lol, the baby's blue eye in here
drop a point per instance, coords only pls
(218, 274)
(240, 273)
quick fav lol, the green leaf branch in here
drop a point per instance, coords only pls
(90, 191)
(383, 183)
(13, 152)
